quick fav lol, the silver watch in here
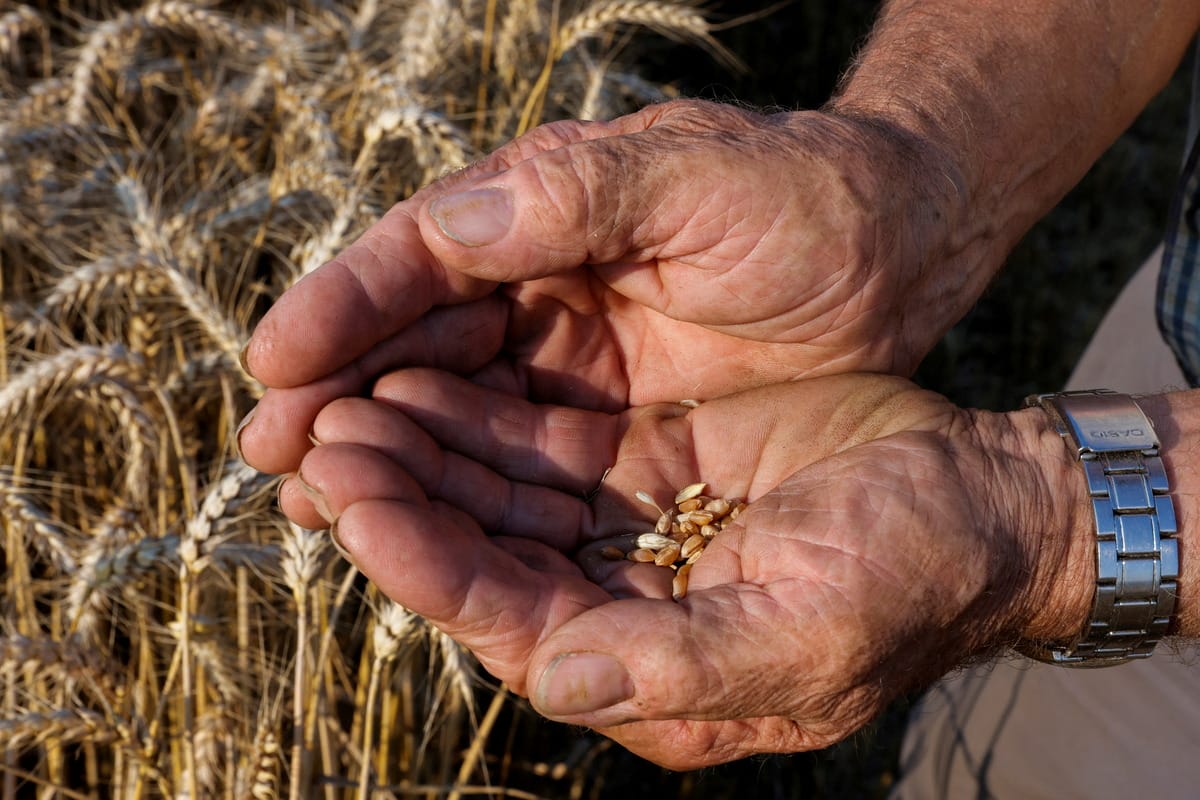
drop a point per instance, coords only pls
(1137, 554)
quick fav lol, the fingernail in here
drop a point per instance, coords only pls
(237, 434)
(244, 358)
(312, 437)
(577, 683)
(318, 499)
(474, 218)
(337, 543)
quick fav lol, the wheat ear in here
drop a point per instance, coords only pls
(41, 529)
(147, 229)
(126, 30)
(672, 20)
(302, 558)
(39, 384)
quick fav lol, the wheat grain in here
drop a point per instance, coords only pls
(140, 432)
(238, 483)
(681, 533)
(117, 556)
(212, 732)
(456, 680)
(44, 99)
(438, 145)
(302, 551)
(425, 36)
(264, 767)
(108, 35)
(220, 671)
(114, 550)
(522, 20)
(307, 137)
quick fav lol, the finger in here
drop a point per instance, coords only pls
(535, 524)
(386, 279)
(457, 338)
(297, 505)
(597, 200)
(729, 652)
(340, 473)
(620, 577)
(544, 138)
(373, 289)
(498, 505)
(558, 446)
(455, 577)
(335, 476)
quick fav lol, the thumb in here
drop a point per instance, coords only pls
(617, 197)
(726, 653)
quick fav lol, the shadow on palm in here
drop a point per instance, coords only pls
(467, 505)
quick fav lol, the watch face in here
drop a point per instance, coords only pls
(1105, 423)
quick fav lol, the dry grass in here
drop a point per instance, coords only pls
(166, 170)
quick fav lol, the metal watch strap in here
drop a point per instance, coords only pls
(1137, 555)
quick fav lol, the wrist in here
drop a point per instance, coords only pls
(1037, 502)
(1059, 532)
(1058, 524)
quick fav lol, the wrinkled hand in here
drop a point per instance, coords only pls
(877, 549)
(723, 250)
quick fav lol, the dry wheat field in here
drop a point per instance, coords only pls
(167, 169)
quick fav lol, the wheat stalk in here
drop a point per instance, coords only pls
(166, 170)
(302, 552)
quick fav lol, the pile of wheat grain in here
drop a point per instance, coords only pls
(166, 170)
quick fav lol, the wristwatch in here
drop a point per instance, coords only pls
(1137, 554)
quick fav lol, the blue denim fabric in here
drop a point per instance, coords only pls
(1178, 281)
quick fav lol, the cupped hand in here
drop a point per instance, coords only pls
(876, 551)
(685, 251)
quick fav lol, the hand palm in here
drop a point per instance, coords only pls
(418, 501)
(722, 250)
(576, 339)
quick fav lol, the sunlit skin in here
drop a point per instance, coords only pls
(701, 251)
(467, 505)
(725, 279)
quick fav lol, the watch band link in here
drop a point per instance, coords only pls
(1137, 553)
